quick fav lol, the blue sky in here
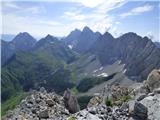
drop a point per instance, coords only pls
(60, 17)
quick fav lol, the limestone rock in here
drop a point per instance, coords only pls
(140, 111)
(44, 114)
(153, 80)
(40, 105)
(95, 101)
(71, 101)
(141, 97)
(102, 112)
(50, 102)
(153, 105)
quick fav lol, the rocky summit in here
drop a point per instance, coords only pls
(39, 105)
(140, 103)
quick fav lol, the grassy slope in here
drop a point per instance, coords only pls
(12, 102)
(25, 70)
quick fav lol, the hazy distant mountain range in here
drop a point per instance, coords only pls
(60, 64)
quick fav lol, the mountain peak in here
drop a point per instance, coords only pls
(49, 36)
(77, 30)
(130, 34)
(108, 35)
(24, 33)
(23, 36)
(87, 29)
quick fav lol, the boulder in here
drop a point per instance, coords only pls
(156, 91)
(43, 114)
(50, 102)
(96, 100)
(153, 105)
(153, 80)
(140, 97)
(71, 102)
(140, 111)
(43, 90)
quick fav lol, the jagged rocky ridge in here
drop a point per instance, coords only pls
(81, 41)
(41, 105)
(144, 105)
(140, 55)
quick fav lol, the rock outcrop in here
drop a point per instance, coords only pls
(71, 101)
(102, 112)
(152, 102)
(153, 80)
(141, 106)
(140, 112)
(148, 94)
(96, 100)
(40, 105)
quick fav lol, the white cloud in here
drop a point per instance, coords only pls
(38, 27)
(13, 24)
(14, 7)
(97, 20)
(108, 5)
(90, 3)
(33, 10)
(150, 35)
(74, 15)
(86, 3)
(10, 4)
(138, 10)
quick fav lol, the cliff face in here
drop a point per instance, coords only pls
(140, 55)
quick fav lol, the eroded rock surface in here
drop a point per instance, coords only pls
(71, 101)
(40, 105)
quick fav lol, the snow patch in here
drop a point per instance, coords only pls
(100, 68)
(95, 71)
(103, 74)
(124, 71)
(70, 46)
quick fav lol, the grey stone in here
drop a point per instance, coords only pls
(141, 97)
(50, 102)
(71, 101)
(156, 91)
(140, 111)
(153, 80)
(43, 114)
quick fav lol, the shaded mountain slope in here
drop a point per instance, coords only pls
(86, 40)
(21, 42)
(81, 41)
(139, 55)
(45, 66)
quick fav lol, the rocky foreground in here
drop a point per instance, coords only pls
(144, 104)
